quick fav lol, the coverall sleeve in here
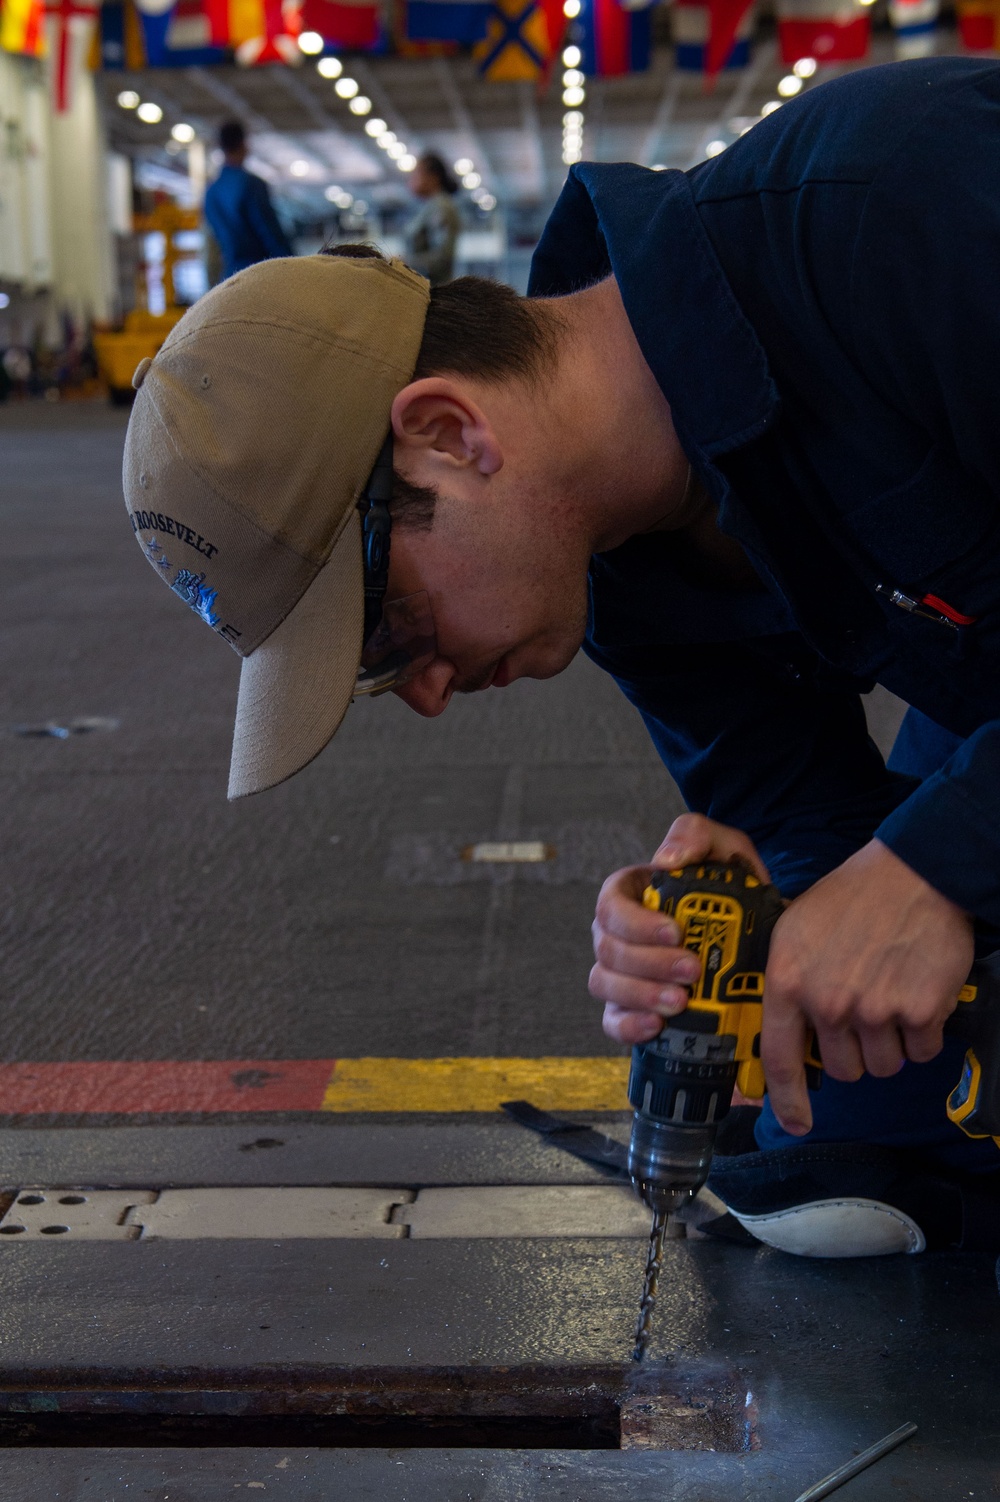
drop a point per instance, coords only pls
(260, 211)
(927, 321)
(433, 251)
(758, 736)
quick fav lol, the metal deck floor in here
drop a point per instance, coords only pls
(834, 1354)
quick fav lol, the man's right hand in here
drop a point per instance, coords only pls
(642, 973)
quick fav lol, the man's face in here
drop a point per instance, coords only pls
(508, 591)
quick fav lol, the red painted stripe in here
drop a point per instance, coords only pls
(936, 603)
(161, 1085)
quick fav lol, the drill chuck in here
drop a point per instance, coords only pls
(668, 1163)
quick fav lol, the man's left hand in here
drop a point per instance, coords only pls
(872, 957)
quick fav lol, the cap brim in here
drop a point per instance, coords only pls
(296, 687)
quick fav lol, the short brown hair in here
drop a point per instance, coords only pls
(478, 328)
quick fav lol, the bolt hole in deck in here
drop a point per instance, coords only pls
(584, 1409)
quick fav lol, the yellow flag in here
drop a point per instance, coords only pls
(516, 44)
(22, 27)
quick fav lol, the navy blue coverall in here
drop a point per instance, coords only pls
(241, 216)
(821, 308)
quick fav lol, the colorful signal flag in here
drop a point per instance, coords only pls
(831, 31)
(517, 45)
(695, 28)
(914, 24)
(979, 25)
(352, 24)
(614, 40)
(463, 21)
(22, 27)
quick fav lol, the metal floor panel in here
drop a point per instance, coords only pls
(331, 1151)
(467, 1476)
(835, 1354)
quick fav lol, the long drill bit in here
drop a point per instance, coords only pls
(654, 1261)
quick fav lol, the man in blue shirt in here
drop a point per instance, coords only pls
(741, 441)
(239, 210)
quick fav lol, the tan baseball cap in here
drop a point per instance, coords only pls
(254, 431)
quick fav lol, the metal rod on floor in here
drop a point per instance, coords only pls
(852, 1467)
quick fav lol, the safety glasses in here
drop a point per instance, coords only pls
(403, 644)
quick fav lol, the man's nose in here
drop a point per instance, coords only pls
(430, 691)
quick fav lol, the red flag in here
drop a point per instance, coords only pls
(344, 23)
(724, 18)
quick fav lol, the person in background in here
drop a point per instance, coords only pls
(239, 210)
(432, 234)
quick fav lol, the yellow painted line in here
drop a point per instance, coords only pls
(476, 1084)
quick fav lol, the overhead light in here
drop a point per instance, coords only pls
(572, 78)
(573, 96)
(360, 207)
(4, 299)
(333, 192)
(571, 9)
(715, 148)
(471, 180)
(386, 139)
(805, 67)
(299, 168)
(573, 117)
(406, 162)
(374, 127)
(149, 113)
(128, 99)
(310, 42)
(360, 105)
(487, 202)
(658, 167)
(464, 164)
(789, 86)
(184, 133)
(572, 57)
(771, 106)
(396, 150)
(345, 88)
(329, 67)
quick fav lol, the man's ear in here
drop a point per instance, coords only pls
(435, 420)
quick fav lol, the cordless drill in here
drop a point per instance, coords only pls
(681, 1083)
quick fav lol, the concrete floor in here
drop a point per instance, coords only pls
(144, 918)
